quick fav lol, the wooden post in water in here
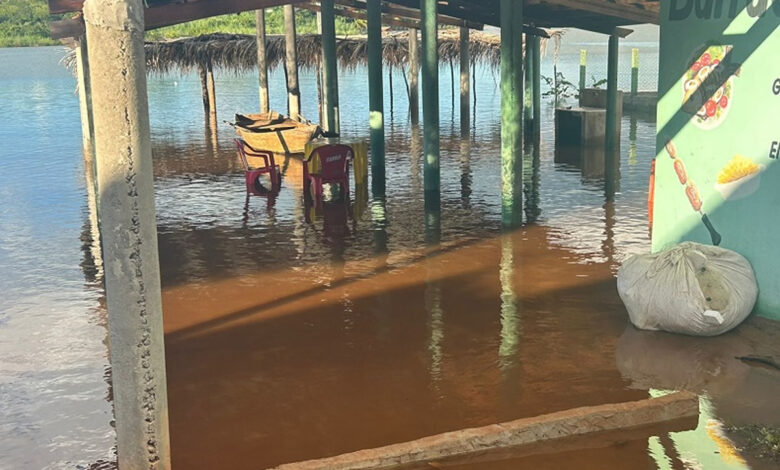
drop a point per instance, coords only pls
(204, 90)
(634, 71)
(511, 113)
(537, 87)
(583, 68)
(375, 96)
(85, 100)
(115, 40)
(212, 96)
(262, 64)
(414, 73)
(465, 62)
(330, 95)
(528, 97)
(430, 89)
(291, 64)
(613, 119)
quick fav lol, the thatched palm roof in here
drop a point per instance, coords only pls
(238, 53)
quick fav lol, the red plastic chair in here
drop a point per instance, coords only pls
(252, 175)
(334, 169)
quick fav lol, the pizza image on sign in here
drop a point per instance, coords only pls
(708, 86)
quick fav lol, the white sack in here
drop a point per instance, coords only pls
(693, 289)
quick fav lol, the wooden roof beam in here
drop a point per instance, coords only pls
(360, 14)
(619, 11)
(169, 14)
(414, 13)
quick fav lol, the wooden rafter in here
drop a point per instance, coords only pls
(166, 14)
(630, 12)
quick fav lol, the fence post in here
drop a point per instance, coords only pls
(583, 67)
(634, 71)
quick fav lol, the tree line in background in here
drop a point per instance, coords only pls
(26, 23)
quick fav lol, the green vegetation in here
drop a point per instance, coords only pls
(244, 23)
(764, 441)
(26, 23)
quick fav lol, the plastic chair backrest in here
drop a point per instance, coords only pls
(245, 150)
(334, 160)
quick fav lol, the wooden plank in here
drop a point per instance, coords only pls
(354, 13)
(173, 13)
(413, 13)
(608, 10)
(526, 431)
(57, 7)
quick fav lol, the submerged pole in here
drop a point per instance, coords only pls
(330, 96)
(115, 33)
(528, 97)
(430, 86)
(375, 98)
(204, 90)
(634, 71)
(511, 113)
(85, 100)
(291, 64)
(465, 61)
(262, 64)
(414, 73)
(613, 118)
(583, 68)
(612, 93)
(212, 96)
(537, 86)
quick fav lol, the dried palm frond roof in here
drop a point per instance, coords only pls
(238, 52)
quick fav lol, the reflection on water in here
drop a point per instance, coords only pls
(297, 332)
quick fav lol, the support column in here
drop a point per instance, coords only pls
(537, 87)
(583, 68)
(528, 97)
(430, 86)
(511, 113)
(465, 61)
(262, 64)
(204, 90)
(212, 96)
(115, 33)
(330, 94)
(634, 71)
(85, 100)
(612, 93)
(613, 119)
(375, 96)
(291, 64)
(414, 73)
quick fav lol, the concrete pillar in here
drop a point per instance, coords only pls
(85, 99)
(115, 34)
(330, 95)
(430, 86)
(414, 73)
(511, 113)
(465, 61)
(291, 64)
(375, 96)
(537, 87)
(613, 118)
(262, 64)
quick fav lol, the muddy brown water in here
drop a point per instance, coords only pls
(294, 334)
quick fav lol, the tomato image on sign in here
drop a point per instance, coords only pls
(708, 86)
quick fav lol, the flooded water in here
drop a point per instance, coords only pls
(294, 334)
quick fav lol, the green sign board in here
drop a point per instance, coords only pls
(717, 173)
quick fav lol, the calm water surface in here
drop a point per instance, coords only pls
(293, 334)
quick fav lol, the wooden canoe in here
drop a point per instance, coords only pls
(275, 133)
